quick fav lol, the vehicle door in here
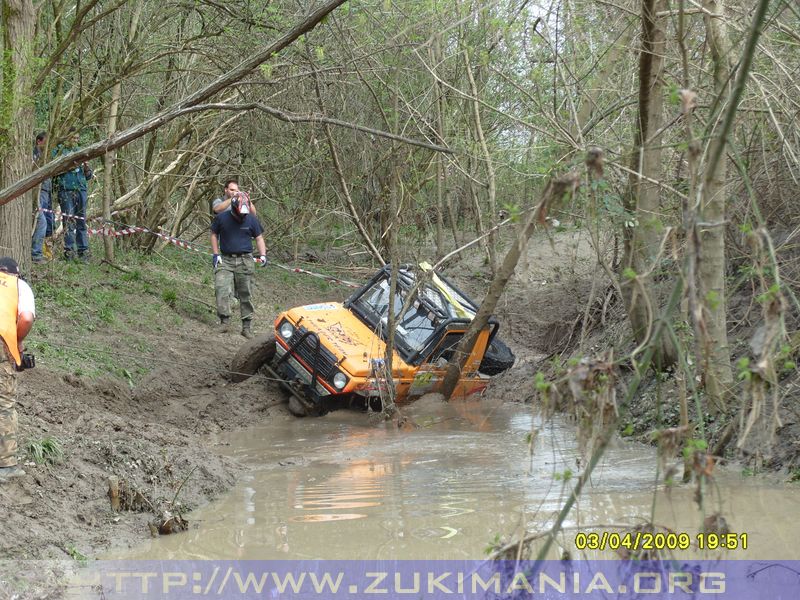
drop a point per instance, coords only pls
(430, 374)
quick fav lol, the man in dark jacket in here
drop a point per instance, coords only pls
(232, 234)
(44, 218)
(72, 193)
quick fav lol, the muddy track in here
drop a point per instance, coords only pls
(154, 438)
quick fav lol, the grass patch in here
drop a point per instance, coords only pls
(76, 555)
(46, 451)
(170, 297)
(82, 306)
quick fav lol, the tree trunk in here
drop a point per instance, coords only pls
(108, 162)
(337, 167)
(16, 124)
(392, 206)
(492, 187)
(480, 229)
(555, 191)
(436, 56)
(711, 267)
(642, 240)
(601, 80)
(113, 116)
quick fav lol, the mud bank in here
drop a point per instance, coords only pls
(131, 380)
(158, 439)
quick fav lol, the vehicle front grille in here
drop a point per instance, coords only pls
(307, 351)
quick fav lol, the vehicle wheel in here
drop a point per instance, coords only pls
(304, 408)
(296, 407)
(252, 356)
(498, 358)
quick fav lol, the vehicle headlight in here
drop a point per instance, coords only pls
(286, 330)
(339, 381)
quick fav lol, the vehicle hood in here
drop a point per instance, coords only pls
(344, 334)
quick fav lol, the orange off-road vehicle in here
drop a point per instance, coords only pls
(331, 355)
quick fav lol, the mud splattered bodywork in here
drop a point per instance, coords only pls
(334, 352)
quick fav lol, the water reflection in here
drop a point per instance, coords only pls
(340, 487)
(324, 518)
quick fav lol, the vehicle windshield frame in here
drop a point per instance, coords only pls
(430, 304)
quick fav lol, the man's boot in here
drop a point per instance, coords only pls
(247, 330)
(8, 473)
(224, 325)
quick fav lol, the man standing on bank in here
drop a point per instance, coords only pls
(17, 312)
(232, 234)
(44, 218)
(72, 196)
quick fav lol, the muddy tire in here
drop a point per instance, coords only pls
(252, 356)
(297, 408)
(304, 408)
(498, 358)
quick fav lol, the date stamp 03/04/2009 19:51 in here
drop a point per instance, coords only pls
(645, 540)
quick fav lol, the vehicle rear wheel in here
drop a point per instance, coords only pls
(252, 356)
(498, 358)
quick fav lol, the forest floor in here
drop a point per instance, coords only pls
(131, 381)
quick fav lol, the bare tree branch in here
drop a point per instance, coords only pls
(295, 118)
(125, 137)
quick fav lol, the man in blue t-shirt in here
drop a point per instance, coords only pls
(232, 234)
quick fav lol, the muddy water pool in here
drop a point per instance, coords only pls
(343, 487)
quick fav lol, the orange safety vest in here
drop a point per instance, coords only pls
(9, 301)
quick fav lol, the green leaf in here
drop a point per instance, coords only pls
(565, 476)
(674, 95)
(693, 446)
(540, 383)
(712, 299)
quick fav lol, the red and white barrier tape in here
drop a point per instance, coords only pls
(87, 219)
(131, 229)
(127, 230)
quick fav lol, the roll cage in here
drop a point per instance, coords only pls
(436, 308)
